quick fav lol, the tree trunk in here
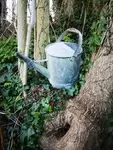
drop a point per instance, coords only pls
(42, 28)
(3, 11)
(79, 127)
(21, 31)
(14, 11)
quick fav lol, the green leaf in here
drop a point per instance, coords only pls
(7, 84)
(30, 132)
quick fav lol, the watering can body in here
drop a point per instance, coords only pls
(63, 61)
(63, 70)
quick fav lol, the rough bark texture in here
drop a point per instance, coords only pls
(42, 28)
(80, 125)
(3, 11)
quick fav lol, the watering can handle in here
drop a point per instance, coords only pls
(74, 31)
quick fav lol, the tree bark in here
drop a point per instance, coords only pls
(3, 11)
(42, 28)
(21, 31)
(80, 125)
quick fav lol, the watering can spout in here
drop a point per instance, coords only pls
(31, 63)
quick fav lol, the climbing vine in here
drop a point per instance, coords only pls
(25, 117)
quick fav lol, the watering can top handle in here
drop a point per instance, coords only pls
(74, 31)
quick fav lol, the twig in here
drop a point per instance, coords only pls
(8, 29)
(84, 22)
(53, 30)
(6, 42)
(11, 137)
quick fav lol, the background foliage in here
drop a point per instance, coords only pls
(24, 117)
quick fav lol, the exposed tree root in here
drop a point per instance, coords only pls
(79, 127)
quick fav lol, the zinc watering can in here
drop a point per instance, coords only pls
(63, 61)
